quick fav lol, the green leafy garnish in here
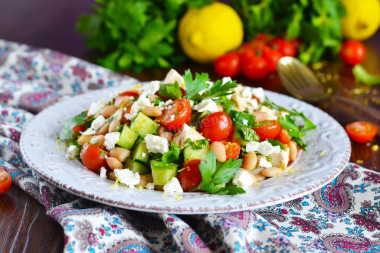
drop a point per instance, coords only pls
(157, 100)
(276, 143)
(170, 90)
(242, 118)
(247, 134)
(173, 154)
(196, 145)
(193, 87)
(67, 129)
(213, 179)
(219, 89)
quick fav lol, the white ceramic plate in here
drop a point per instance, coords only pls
(328, 152)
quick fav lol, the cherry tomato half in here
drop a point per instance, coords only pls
(217, 126)
(254, 68)
(232, 149)
(5, 181)
(227, 64)
(268, 130)
(190, 175)
(79, 128)
(361, 131)
(284, 137)
(178, 114)
(92, 158)
(353, 52)
(129, 93)
(272, 57)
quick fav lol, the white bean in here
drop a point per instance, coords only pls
(249, 161)
(219, 150)
(292, 151)
(271, 172)
(107, 111)
(114, 164)
(119, 153)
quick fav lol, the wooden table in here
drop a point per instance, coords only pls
(24, 226)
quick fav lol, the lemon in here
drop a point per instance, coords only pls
(210, 31)
(362, 19)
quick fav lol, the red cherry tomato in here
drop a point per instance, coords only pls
(361, 131)
(284, 47)
(272, 57)
(178, 114)
(227, 64)
(79, 128)
(5, 181)
(217, 126)
(129, 93)
(254, 67)
(190, 175)
(92, 158)
(232, 150)
(268, 130)
(284, 137)
(353, 52)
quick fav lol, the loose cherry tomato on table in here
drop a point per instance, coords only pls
(217, 126)
(92, 158)
(5, 181)
(272, 57)
(190, 175)
(361, 131)
(227, 64)
(286, 48)
(181, 110)
(353, 52)
(232, 149)
(254, 68)
(268, 129)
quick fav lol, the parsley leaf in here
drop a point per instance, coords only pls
(276, 143)
(68, 125)
(242, 118)
(247, 134)
(225, 173)
(173, 154)
(196, 145)
(170, 90)
(193, 87)
(219, 89)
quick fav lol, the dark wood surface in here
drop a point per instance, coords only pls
(25, 227)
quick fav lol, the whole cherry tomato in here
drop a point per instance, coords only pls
(272, 57)
(254, 67)
(227, 64)
(217, 126)
(92, 157)
(285, 47)
(190, 175)
(178, 114)
(268, 129)
(353, 52)
(361, 131)
(232, 149)
(5, 181)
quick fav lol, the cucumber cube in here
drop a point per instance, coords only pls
(127, 138)
(162, 172)
(144, 125)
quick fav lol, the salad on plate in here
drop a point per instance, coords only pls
(187, 134)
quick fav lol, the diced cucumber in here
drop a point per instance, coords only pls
(140, 153)
(136, 166)
(127, 137)
(162, 172)
(144, 125)
(189, 153)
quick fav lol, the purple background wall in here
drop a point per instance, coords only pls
(44, 23)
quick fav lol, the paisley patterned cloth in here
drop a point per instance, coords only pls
(343, 216)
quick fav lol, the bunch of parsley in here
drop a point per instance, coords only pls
(316, 22)
(136, 34)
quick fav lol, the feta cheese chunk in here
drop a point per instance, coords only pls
(242, 179)
(206, 105)
(156, 144)
(72, 152)
(173, 76)
(280, 160)
(95, 125)
(259, 93)
(111, 139)
(173, 187)
(186, 132)
(264, 148)
(264, 163)
(103, 173)
(150, 89)
(150, 186)
(96, 107)
(243, 99)
(127, 177)
(137, 107)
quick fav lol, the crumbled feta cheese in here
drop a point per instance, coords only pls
(95, 125)
(243, 99)
(127, 177)
(259, 93)
(72, 152)
(271, 113)
(245, 122)
(118, 114)
(264, 163)
(186, 132)
(113, 95)
(137, 107)
(156, 144)
(280, 160)
(191, 103)
(150, 186)
(89, 131)
(168, 102)
(150, 89)
(96, 107)
(173, 187)
(226, 79)
(264, 148)
(173, 76)
(172, 117)
(111, 139)
(103, 173)
(206, 105)
(242, 179)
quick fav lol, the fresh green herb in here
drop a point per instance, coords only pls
(110, 119)
(173, 154)
(193, 87)
(219, 89)
(316, 22)
(175, 114)
(363, 76)
(213, 179)
(196, 145)
(276, 143)
(247, 134)
(242, 118)
(67, 129)
(170, 90)
(157, 100)
(228, 105)
(103, 153)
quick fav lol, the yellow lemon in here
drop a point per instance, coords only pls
(362, 19)
(210, 31)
